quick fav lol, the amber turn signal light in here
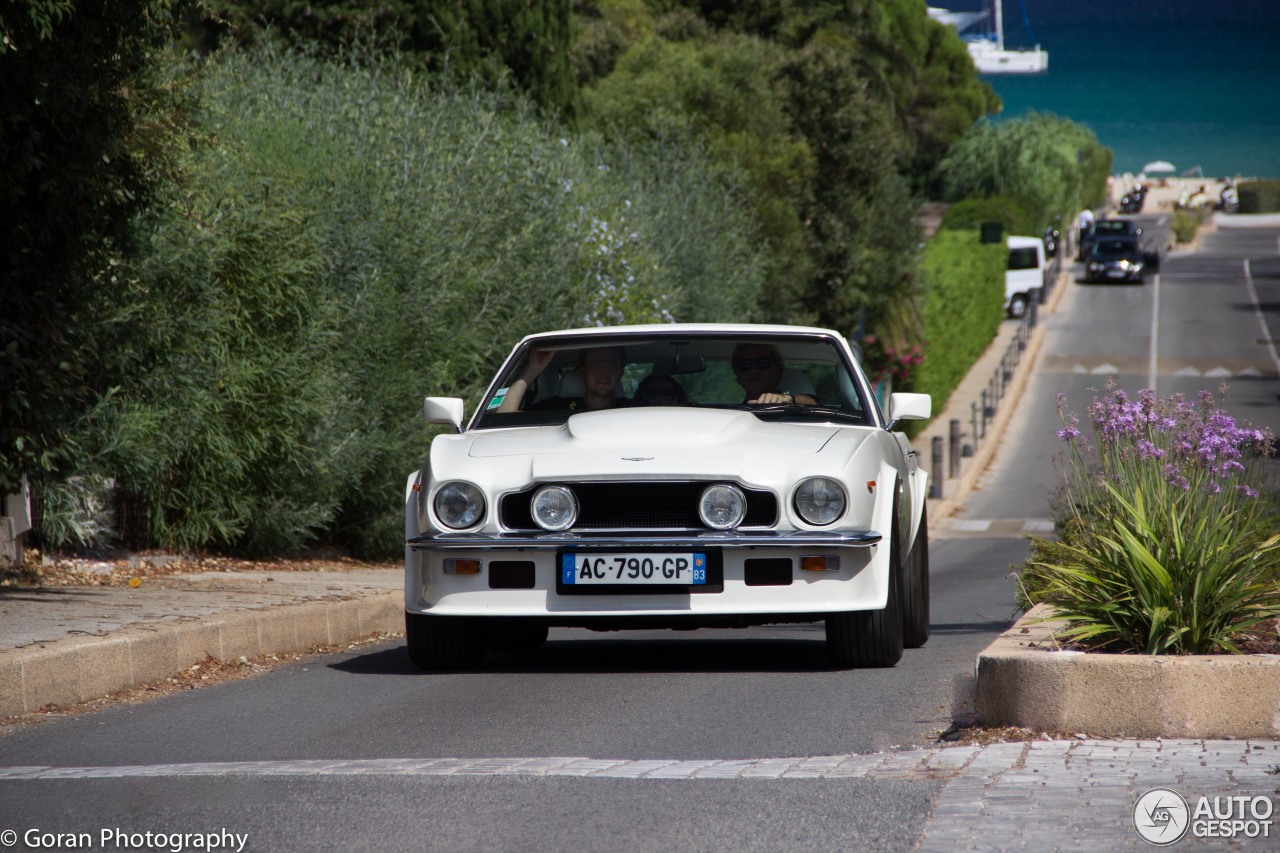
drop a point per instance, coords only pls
(827, 563)
(461, 567)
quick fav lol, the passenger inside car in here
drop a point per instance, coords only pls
(599, 372)
(658, 389)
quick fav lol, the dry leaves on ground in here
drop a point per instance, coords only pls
(59, 570)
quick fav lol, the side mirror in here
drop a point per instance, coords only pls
(910, 407)
(443, 410)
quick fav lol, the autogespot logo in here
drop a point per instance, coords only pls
(1161, 817)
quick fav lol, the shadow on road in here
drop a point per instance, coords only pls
(615, 654)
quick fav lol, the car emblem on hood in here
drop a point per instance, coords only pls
(637, 458)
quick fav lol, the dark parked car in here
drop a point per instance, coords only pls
(1116, 259)
(1104, 228)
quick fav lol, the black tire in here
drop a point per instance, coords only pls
(1018, 306)
(444, 642)
(517, 635)
(871, 638)
(915, 590)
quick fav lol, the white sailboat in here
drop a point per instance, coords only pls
(988, 52)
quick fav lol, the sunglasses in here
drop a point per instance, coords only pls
(763, 362)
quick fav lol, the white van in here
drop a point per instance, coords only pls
(1024, 277)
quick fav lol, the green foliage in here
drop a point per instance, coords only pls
(1185, 225)
(473, 40)
(84, 138)
(1169, 547)
(862, 236)
(721, 95)
(1050, 166)
(350, 240)
(1160, 579)
(1259, 196)
(963, 294)
(969, 214)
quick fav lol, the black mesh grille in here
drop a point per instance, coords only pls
(638, 506)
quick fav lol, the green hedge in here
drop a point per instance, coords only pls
(962, 307)
(1260, 197)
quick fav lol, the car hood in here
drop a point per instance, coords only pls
(652, 442)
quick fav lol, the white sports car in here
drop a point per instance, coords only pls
(678, 476)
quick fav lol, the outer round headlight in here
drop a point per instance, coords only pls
(820, 500)
(459, 505)
(554, 508)
(722, 506)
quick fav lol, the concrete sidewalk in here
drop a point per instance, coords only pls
(64, 645)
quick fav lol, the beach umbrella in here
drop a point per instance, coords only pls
(1159, 166)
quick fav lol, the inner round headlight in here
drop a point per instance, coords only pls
(459, 505)
(722, 506)
(554, 508)
(820, 500)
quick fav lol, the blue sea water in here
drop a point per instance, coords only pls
(1193, 82)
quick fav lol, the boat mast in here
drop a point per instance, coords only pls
(999, 4)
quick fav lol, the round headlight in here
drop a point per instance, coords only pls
(820, 500)
(554, 508)
(459, 505)
(722, 506)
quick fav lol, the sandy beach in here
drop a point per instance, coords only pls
(1164, 194)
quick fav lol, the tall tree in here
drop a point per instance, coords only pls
(82, 152)
(528, 41)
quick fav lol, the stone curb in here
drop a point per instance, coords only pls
(1022, 680)
(84, 668)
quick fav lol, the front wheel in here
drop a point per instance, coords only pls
(871, 638)
(444, 642)
(915, 590)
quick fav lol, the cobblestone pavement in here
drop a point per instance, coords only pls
(1040, 795)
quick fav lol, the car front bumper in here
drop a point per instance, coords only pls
(752, 573)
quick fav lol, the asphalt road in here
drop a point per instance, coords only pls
(747, 694)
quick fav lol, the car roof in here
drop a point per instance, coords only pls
(1017, 242)
(685, 329)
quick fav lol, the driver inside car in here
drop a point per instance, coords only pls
(758, 369)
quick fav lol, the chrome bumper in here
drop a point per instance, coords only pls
(657, 539)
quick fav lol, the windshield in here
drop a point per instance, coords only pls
(777, 377)
(1116, 249)
(1024, 259)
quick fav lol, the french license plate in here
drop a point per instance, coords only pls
(581, 568)
(1115, 274)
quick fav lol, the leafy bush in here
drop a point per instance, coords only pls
(1170, 547)
(1051, 166)
(1185, 225)
(1259, 197)
(350, 240)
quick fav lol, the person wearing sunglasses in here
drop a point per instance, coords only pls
(758, 369)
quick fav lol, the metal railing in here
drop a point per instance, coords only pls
(948, 452)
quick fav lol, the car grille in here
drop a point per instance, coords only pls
(645, 505)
